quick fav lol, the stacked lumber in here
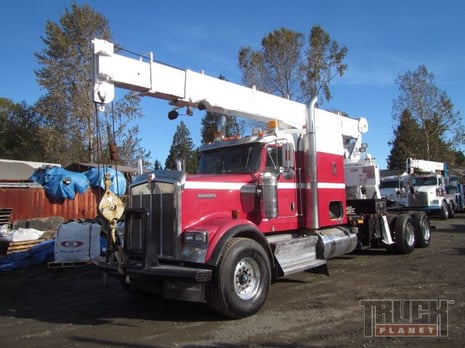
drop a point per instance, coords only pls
(23, 245)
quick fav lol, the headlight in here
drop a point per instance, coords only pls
(198, 237)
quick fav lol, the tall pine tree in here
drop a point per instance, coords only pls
(407, 142)
(182, 149)
(233, 126)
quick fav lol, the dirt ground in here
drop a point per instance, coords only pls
(42, 307)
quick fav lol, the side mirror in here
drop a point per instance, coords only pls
(288, 160)
(288, 156)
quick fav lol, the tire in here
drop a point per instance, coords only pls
(405, 234)
(444, 213)
(422, 230)
(451, 210)
(241, 280)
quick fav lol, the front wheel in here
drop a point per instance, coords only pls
(241, 280)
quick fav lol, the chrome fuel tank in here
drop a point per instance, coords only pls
(334, 242)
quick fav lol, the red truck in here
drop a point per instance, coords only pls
(285, 199)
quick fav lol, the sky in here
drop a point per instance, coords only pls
(384, 39)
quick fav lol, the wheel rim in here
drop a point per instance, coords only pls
(246, 278)
(409, 235)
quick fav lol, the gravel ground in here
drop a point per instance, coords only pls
(76, 307)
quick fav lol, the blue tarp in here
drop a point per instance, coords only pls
(60, 183)
(96, 178)
(38, 254)
(63, 184)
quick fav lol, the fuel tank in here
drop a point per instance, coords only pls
(333, 242)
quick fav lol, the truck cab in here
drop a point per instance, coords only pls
(394, 189)
(428, 183)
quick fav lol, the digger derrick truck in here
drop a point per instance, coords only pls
(432, 189)
(282, 200)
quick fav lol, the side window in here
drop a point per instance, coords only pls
(273, 158)
(335, 210)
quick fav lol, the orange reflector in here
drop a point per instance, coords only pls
(273, 124)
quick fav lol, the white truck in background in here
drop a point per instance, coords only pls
(394, 188)
(428, 188)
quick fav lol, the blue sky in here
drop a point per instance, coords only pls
(384, 39)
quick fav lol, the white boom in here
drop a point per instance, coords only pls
(187, 88)
(424, 166)
(184, 88)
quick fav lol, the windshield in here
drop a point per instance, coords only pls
(389, 184)
(234, 160)
(424, 181)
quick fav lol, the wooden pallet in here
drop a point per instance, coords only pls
(22, 246)
(69, 264)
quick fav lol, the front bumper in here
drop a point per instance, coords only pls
(161, 272)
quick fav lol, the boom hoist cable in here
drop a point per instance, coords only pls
(111, 207)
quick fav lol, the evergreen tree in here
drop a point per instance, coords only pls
(407, 142)
(233, 126)
(157, 165)
(20, 132)
(182, 149)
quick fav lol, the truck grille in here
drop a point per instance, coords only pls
(151, 222)
(419, 199)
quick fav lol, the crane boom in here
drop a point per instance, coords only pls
(187, 88)
(183, 87)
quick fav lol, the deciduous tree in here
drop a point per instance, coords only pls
(283, 68)
(324, 62)
(432, 110)
(65, 73)
(276, 68)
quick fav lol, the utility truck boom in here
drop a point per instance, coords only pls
(280, 201)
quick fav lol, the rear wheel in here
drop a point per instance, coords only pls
(241, 280)
(444, 213)
(405, 234)
(451, 210)
(422, 230)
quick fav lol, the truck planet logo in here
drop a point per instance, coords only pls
(406, 318)
(71, 243)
